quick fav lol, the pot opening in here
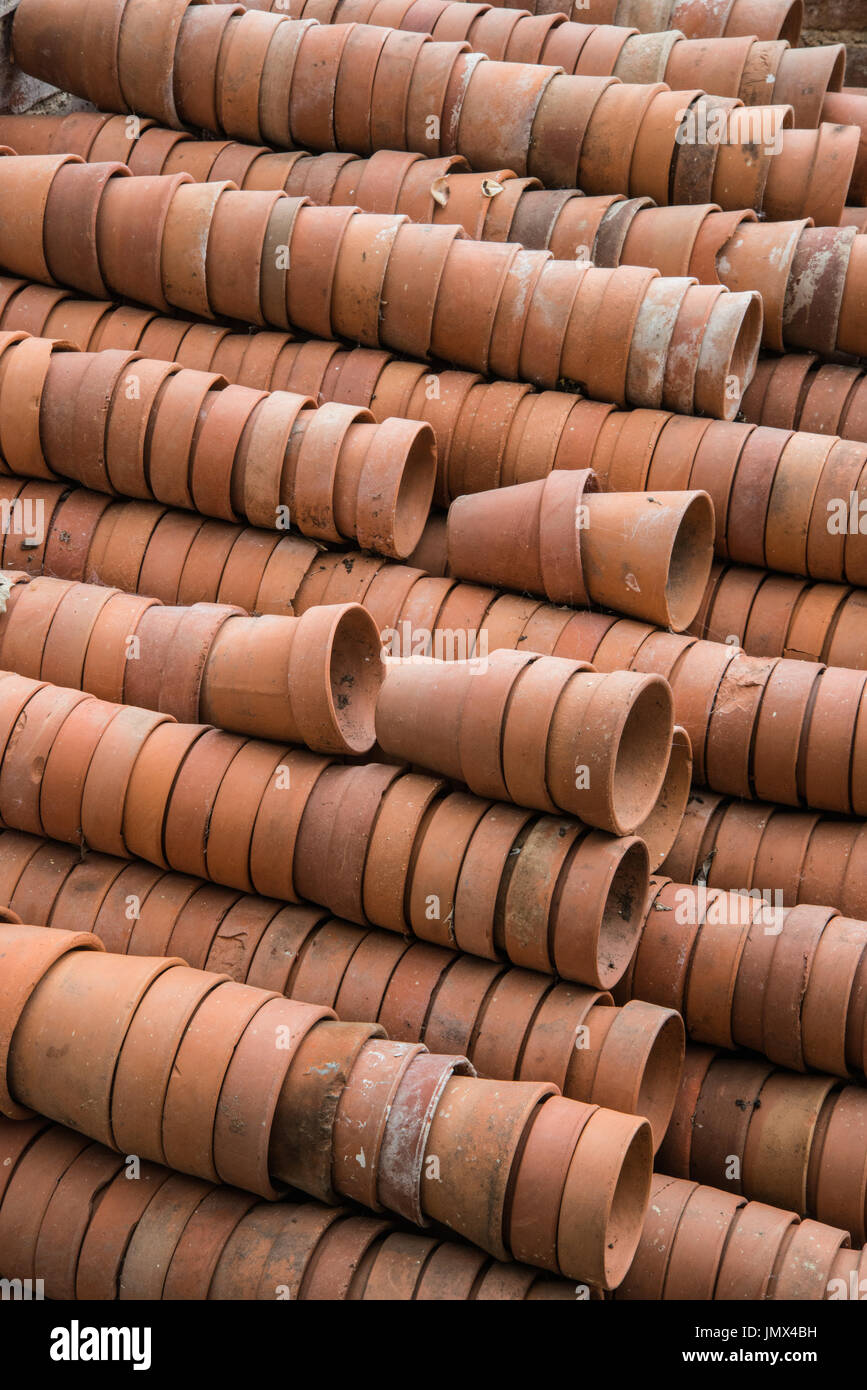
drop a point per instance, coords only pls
(415, 494)
(355, 674)
(659, 830)
(643, 757)
(744, 354)
(690, 562)
(628, 1206)
(659, 1084)
(623, 912)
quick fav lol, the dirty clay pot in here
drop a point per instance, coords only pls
(471, 1195)
(302, 1135)
(362, 1114)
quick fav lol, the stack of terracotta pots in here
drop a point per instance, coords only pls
(69, 1217)
(798, 392)
(561, 737)
(773, 615)
(773, 490)
(770, 728)
(700, 1243)
(770, 19)
(235, 1084)
(295, 83)
(488, 434)
(795, 1142)
(378, 280)
(312, 680)
(787, 982)
(144, 428)
(757, 72)
(795, 856)
(372, 843)
(515, 1025)
(779, 259)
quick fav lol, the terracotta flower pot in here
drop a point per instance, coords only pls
(47, 1017)
(28, 955)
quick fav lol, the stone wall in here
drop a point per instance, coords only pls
(841, 21)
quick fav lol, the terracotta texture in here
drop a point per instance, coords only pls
(501, 446)
(487, 434)
(813, 285)
(219, 806)
(517, 1024)
(286, 1115)
(745, 971)
(737, 756)
(805, 856)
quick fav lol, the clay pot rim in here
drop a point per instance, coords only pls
(660, 1076)
(414, 495)
(712, 398)
(660, 829)
(690, 560)
(352, 717)
(649, 720)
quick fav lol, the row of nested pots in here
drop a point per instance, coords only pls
(299, 84)
(777, 494)
(570, 543)
(231, 1083)
(488, 434)
(70, 1217)
(789, 856)
(739, 66)
(146, 428)
(312, 680)
(788, 982)
(701, 1243)
(774, 615)
(799, 392)
(770, 728)
(377, 280)
(372, 843)
(721, 248)
(497, 434)
(514, 1025)
(602, 752)
(795, 1142)
(768, 19)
